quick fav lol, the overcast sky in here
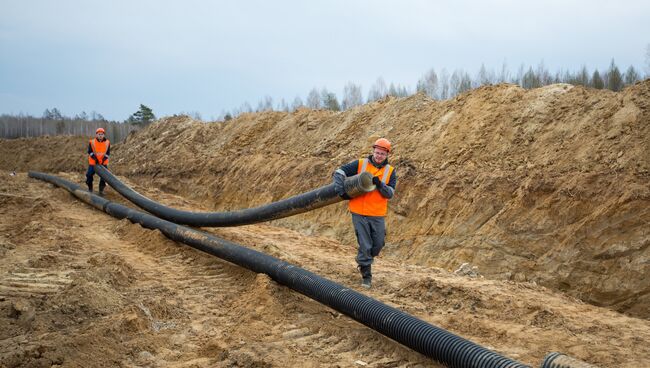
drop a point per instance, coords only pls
(212, 56)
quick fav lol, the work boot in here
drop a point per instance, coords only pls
(366, 276)
(90, 187)
(101, 190)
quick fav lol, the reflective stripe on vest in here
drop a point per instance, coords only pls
(383, 177)
(372, 203)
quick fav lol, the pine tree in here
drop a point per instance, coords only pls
(582, 78)
(143, 116)
(531, 79)
(329, 100)
(614, 78)
(597, 81)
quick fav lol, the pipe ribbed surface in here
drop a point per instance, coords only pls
(439, 344)
(304, 202)
(560, 360)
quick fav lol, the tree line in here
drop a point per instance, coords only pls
(53, 122)
(444, 85)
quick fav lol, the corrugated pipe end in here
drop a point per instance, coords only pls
(559, 360)
(359, 184)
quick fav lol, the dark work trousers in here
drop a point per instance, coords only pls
(89, 178)
(371, 232)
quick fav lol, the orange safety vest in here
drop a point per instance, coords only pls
(371, 203)
(99, 149)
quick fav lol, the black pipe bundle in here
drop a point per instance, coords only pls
(304, 202)
(434, 342)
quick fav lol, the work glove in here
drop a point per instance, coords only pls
(377, 182)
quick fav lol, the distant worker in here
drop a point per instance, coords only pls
(99, 148)
(369, 209)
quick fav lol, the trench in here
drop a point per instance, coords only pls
(434, 342)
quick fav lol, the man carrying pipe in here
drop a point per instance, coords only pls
(99, 149)
(369, 209)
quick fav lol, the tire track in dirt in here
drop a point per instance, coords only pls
(248, 319)
(31, 282)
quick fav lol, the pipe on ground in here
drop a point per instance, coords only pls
(323, 196)
(434, 342)
(560, 360)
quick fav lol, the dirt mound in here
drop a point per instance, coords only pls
(549, 185)
(51, 154)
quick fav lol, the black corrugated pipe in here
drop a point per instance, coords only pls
(560, 360)
(434, 342)
(323, 196)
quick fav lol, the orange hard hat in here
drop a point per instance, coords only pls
(100, 130)
(382, 143)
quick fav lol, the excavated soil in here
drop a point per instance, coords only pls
(544, 192)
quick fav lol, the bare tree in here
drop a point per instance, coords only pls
(95, 116)
(647, 61)
(351, 96)
(313, 99)
(283, 106)
(484, 76)
(444, 84)
(520, 75)
(504, 74)
(631, 76)
(245, 107)
(266, 104)
(543, 75)
(53, 114)
(23, 125)
(297, 103)
(454, 83)
(81, 116)
(378, 90)
(428, 84)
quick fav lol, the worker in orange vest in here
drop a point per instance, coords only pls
(99, 149)
(369, 209)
